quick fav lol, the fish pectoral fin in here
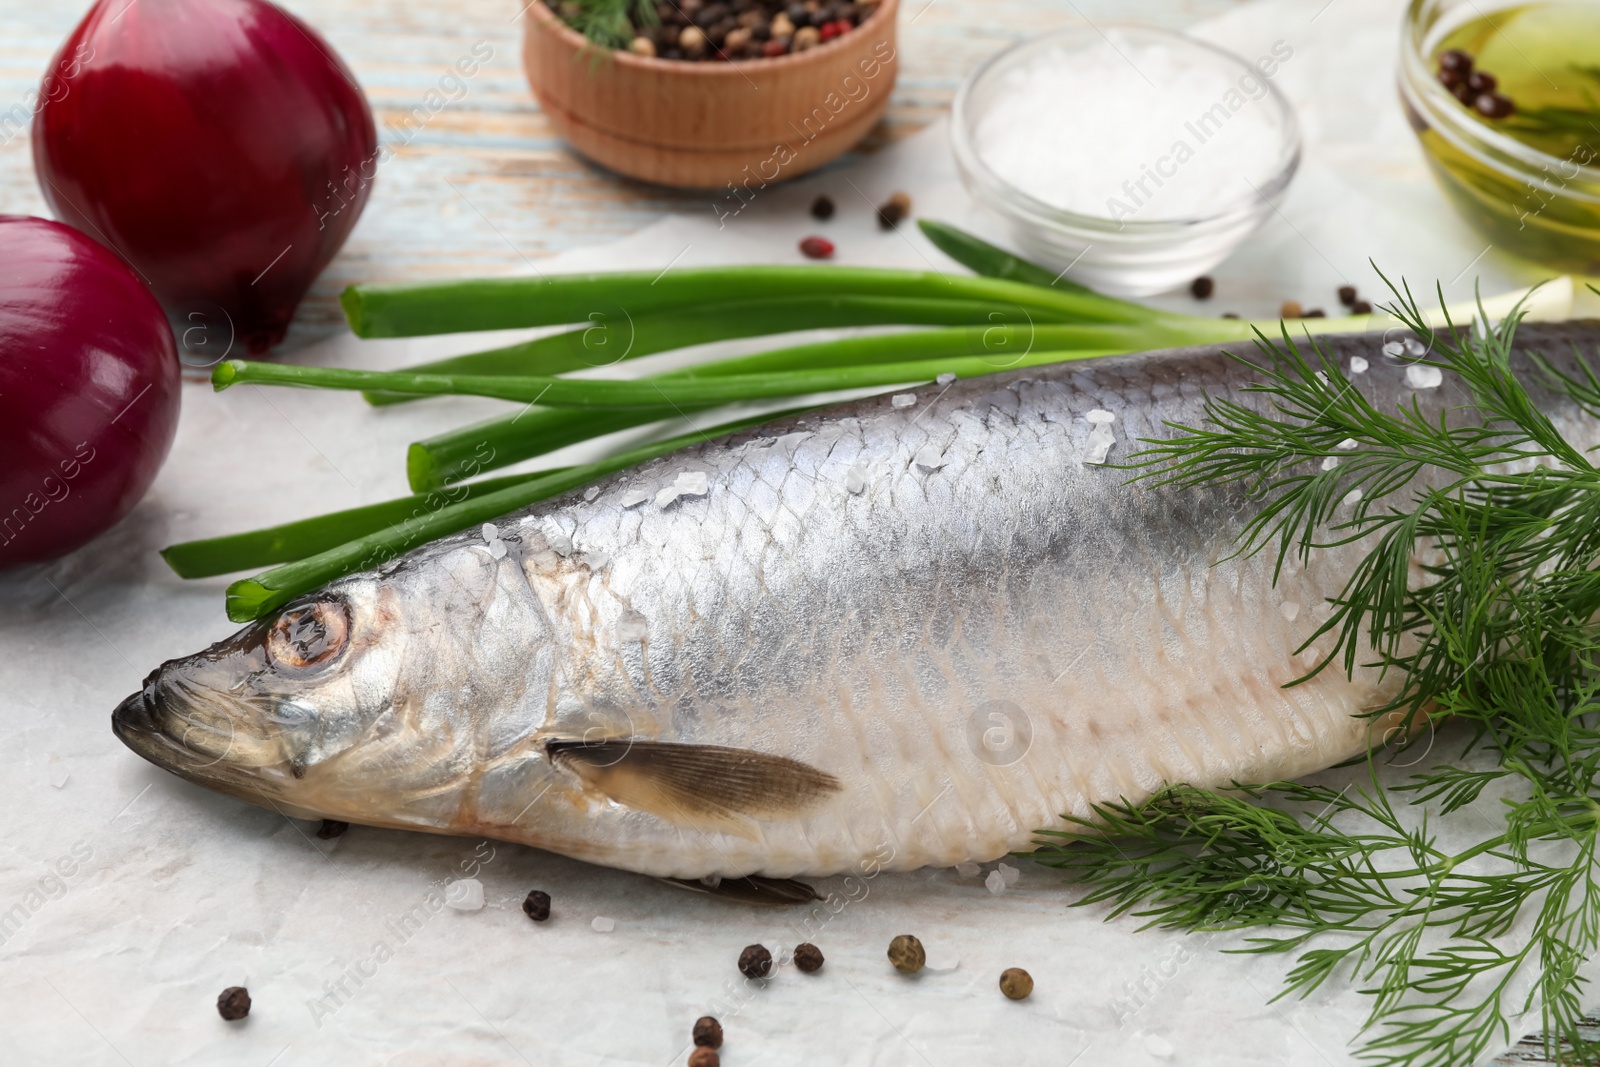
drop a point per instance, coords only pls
(694, 784)
(753, 889)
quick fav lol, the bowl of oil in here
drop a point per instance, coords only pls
(1505, 99)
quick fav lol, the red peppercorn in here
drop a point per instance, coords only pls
(816, 248)
(830, 30)
(776, 47)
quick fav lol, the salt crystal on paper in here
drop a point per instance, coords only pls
(945, 379)
(594, 560)
(1414, 347)
(1394, 348)
(968, 870)
(491, 532)
(668, 494)
(855, 479)
(1351, 498)
(1348, 444)
(995, 883)
(902, 400)
(591, 492)
(1158, 1046)
(929, 458)
(790, 440)
(1101, 415)
(941, 960)
(1311, 656)
(1420, 377)
(1358, 365)
(464, 894)
(59, 776)
(1290, 609)
(603, 925)
(497, 549)
(1330, 462)
(634, 497)
(1009, 874)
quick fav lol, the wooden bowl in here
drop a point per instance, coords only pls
(706, 125)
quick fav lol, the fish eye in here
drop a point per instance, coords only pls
(306, 636)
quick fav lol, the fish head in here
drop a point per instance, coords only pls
(310, 711)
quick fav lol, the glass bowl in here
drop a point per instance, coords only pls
(1128, 256)
(1541, 207)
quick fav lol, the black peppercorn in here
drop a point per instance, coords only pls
(1455, 60)
(704, 1057)
(822, 208)
(894, 211)
(1481, 81)
(1315, 313)
(798, 15)
(233, 1003)
(755, 961)
(1361, 307)
(1493, 105)
(1202, 287)
(808, 957)
(331, 829)
(1347, 295)
(537, 905)
(707, 1032)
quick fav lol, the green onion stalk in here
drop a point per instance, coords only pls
(1011, 314)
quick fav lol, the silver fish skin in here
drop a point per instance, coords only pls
(882, 635)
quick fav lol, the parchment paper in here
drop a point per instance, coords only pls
(130, 899)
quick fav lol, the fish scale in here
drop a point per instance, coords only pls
(802, 671)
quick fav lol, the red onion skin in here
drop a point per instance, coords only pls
(89, 389)
(218, 145)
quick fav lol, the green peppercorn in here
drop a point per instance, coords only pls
(906, 953)
(1016, 983)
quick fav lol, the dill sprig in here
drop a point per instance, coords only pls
(1499, 632)
(609, 23)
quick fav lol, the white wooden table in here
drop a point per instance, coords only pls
(485, 186)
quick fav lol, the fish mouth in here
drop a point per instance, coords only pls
(141, 723)
(137, 725)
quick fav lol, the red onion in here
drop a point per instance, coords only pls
(219, 145)
(88, 389)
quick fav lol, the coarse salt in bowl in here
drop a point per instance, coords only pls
(1131, 160)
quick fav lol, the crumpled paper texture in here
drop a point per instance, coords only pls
(130, 899)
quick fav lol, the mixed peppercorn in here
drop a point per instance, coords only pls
(708, 30)
(1476, 89)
